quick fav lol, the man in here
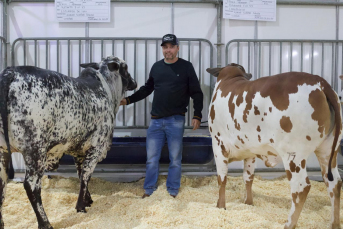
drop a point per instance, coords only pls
(174, 82)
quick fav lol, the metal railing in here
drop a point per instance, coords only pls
(65, 54)
(3, 53)
(263, 57)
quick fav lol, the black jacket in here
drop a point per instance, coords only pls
(173, 85)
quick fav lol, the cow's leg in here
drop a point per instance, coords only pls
(295, 167)
(88, 167)
(333, 187)
(248, 177)
(35, 164)
(78, 163)
(4, 161)
(222, 163)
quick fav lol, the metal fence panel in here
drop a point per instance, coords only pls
(3, 53)
(263, 57)
(65, 54)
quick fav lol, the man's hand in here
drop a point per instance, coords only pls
(123, 102)
(195, 123)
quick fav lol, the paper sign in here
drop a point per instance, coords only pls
(83, 10)
(256, 10)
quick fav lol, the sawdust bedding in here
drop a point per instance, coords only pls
(119, 205)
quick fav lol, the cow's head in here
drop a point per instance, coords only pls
(112, 67)
(231, 70)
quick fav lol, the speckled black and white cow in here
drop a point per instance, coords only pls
(45, 114)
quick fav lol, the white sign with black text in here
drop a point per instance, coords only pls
(83, 10)
(256, 10)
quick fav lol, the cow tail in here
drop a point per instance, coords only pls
(332, 98)
(6, 78)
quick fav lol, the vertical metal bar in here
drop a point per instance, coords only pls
(124, 47)
(291, 59)
(255, 49)
(112, 47)
(259, 60)
(189, 104)
(333, 66)
(219, 34)
(270, 58)
(102, 48)
(172, 18)
(87, 42)
(135, 77)
(24, 52)
(280, 56)
(237, 52)
(58, 55)
(35, 53)
(322, 72)
(46, 54)
(124, 107)
(301, 56)
(189, 51)
(248, 56)
(146, 78)
(80, 61)
(69, 68)
(156, 50)
(312, 58)
(200, 61)
(5, 30)
(336, 48)
(2, 56)
(90, 50)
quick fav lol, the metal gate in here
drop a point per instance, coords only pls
(268, 57)
(65, 54)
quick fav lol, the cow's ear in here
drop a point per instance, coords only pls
(90, 65)
(113, 66)
(214, 71)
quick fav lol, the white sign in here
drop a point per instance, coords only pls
(83, 10)
(256, 10)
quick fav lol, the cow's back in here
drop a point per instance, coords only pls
(48, 108)
(272, 114)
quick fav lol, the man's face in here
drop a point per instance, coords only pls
(170, 51)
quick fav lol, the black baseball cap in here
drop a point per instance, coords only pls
(170, 38)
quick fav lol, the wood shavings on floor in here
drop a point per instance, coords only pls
(119, 205)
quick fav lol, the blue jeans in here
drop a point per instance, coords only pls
(171, 129)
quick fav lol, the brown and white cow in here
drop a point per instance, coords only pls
(284, 118)
(45, 114)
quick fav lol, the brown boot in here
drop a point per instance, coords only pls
(173, 195)
(145, 195)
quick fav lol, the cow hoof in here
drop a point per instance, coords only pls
(81, 210)
(221, 206)
(248, 202)
(47, 226)
(89, 202)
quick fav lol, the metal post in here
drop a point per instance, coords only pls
(219, 43)
(172, 18)
(87, 58)
(219, 34)
(4, 29)
(255, 50)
